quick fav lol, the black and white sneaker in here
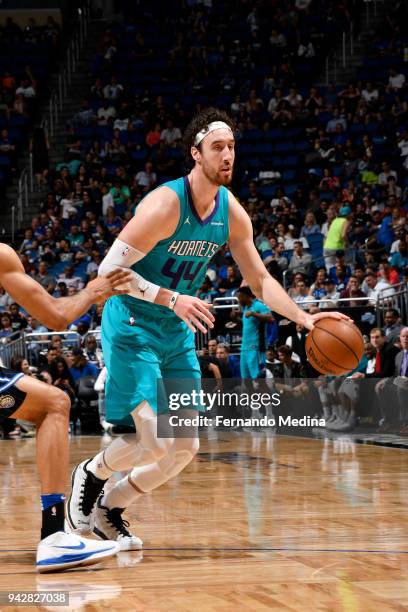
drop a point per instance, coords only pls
(86, 488)
(110, 525)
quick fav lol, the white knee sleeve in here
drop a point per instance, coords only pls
(142, 449)
(149, 477)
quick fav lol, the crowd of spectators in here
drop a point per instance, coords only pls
(28, 56)
(321, 171)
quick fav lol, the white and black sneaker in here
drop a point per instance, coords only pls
(110, 525)
(86, 488)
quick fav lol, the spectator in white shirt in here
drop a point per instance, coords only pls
(146, 178)
(302, 296)
(369, 94)
(26, 89)
(106, 113)
(396, 80)
(170, 135)
(107, 200)
(294, 98)
(67, 206)
(332, 295)
(70, 280)
(113, 90)
(376, 287)
(386, 172)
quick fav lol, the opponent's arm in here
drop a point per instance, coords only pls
(156, 218)
(252, 269)
(55, 313)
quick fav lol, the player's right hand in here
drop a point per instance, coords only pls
(114, 283)
(193, 312)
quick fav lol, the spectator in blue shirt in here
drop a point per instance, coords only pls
(81, 366)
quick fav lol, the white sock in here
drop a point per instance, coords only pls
(98, 467)
(122, 495)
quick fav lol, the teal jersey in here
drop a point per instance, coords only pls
(252, 327)
(179, 263)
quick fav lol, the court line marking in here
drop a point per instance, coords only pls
(250, 549)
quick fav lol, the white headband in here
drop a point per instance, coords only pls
(215, 125)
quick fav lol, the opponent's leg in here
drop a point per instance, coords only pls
(48, 407)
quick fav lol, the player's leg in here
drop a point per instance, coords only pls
(48, 407)
(132, 359)
(141, 480)
(179, 363)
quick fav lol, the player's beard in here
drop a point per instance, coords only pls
(216, 177)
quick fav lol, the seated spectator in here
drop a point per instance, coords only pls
(352, 291)
(81, 367)
(106, 113)
(171, 135)
(296, 341)
(223, 356)
(70, 280)
(310, 226)
(207, 293)
(377, 287)
(153, 136)
(339, 265)
(386, 173)
(329, 300)
(387, 273)
(396, 80)
(289, 373)
(232, 282)
(146, 178)
(302, 297)
(93, 265)
(5, 299)
(300, 261)
(113, 90)
(18, 321)
(92, 352)
(6, 329)
(44, 279)
(62, 376)
(318, 288)
(392, 325)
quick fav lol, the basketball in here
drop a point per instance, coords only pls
(334, 347)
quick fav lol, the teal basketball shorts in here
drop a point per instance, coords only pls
(250, 363)
(140, 350)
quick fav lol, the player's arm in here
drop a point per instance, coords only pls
(156, 218)
(252, 269)
(55, 313)
(261, 316)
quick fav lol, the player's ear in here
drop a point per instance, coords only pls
(195, 154)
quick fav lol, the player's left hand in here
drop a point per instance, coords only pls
(310, 320)
(248, 314)
(114, 283)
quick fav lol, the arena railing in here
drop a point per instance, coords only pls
(398, 300)
(13, 346)
(338, 58)
(50, 117)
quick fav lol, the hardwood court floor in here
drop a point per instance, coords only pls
(253, 524)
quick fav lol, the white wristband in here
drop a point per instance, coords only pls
(173, 300)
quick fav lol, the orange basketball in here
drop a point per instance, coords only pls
(334, 347)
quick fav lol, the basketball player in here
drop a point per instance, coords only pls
(148, 333)
(24, 397)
